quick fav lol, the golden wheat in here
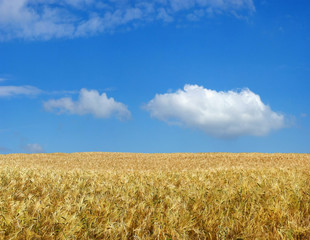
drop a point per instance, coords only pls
(155, 196)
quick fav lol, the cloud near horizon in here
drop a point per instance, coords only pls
(219, 114)
(37, 19)
(89, 102)
(33, 148)
(4, 149)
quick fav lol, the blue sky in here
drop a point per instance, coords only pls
(154, 76)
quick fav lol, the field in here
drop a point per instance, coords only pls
(155, 196)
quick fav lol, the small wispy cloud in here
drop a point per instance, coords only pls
(48, 19)
(89, 102)
(220, 114)
(33, 148)
(9, 91)
(61, 92)
(4, 149)
(2, 79)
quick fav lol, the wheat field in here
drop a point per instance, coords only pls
(155, 196)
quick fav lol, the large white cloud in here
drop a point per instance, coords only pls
(45, 19)
(8, 91)
(220, 114)
(89, 102)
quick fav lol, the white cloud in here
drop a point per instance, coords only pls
(220, 114)
(46, 19)
(34, 148)
(8, 91)
(163, 15)
(89, 102)
(2, 79)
